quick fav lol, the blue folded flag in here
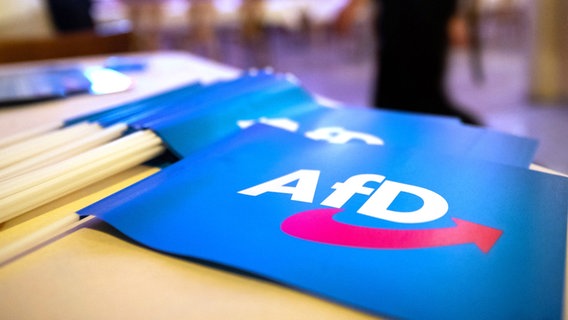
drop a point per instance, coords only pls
(192, 117)
(222, 92)
(398, 233)
(112, 115)
(409, 130)
(180, 99)
(193, 131)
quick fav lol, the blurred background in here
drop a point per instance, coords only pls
(513, 77)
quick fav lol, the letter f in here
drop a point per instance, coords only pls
(345, 190)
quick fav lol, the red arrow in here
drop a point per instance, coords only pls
(318, 225)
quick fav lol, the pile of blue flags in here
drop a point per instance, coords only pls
(397, 214)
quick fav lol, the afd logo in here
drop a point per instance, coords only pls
(318, 225)
(336, 135)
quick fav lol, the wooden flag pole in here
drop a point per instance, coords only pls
(43, 143)
(29, 134)
(64, 151)
(41, 186)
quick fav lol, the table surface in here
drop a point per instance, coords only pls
(90, 271)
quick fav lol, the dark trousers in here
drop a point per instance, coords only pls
(413, 46)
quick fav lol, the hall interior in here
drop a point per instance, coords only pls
(299, 37)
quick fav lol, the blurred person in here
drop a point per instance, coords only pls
(413, 38)
(71, 15)
(253, 32)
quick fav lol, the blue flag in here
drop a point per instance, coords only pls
(118, 113)
(408, 130)
(398, 233)
(193, 131)
(180, 100)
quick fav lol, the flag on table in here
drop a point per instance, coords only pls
(396, 232)
(408, 130)
(194, 116)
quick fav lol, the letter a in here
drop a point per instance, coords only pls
(304, 190)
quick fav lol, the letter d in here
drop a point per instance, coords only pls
(377, 206)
